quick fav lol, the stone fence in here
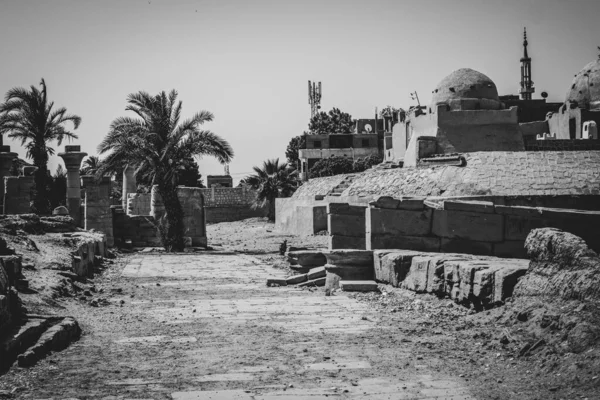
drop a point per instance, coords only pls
(453, 226)
(17, 194)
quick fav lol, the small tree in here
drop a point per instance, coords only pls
(271, 181)
(293, 150)
(90, 166)
(335, 121)
(363, 163)
(331, 166)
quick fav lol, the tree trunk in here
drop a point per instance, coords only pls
(41, 203)
(171, 225)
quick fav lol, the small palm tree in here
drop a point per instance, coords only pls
(271, 181)
(27, 115)
(90, 166)
(159, 143)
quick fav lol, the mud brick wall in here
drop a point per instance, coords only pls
(346, 226)
(139, 229)
(562, 145)
(138, 203)
(469, 227)
(17, 194)
(97, 213)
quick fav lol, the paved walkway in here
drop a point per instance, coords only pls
(205, 326)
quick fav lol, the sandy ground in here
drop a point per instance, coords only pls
(204, 325)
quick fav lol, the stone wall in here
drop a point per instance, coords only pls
(10, 271)
(346, 226)
(89, 251)
(17, 194)
(300, 216)
(194, 224)
(97, 213)
(138, 203)
(563, 145)
(139, 230)
(471, 227)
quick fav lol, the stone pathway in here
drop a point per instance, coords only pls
(205, 326)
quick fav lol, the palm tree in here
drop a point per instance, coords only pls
(271, 181)
(27, 115)
(158, 142)
(90, 166)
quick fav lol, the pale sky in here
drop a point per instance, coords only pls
(248, 62)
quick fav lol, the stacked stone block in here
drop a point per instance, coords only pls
(97, 213)
(17, 194)
(346, 226)
(470, 227)
(138, 203)
(138, 230)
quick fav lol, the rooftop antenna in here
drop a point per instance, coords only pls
(415, 96)
(314, 97)
(226, 169)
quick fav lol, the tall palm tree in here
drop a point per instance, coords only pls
(158, 142)
(27, 115)
(271, 181)
(90, 165)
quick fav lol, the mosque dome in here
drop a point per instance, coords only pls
(467, 89)
(585, 88)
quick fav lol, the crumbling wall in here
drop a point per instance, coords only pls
(472, 227)
(562, 265)
(563, 145)
(97, 213)
(17, 194)
(137, 230)
(89, 251)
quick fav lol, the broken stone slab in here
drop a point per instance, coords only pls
(276, 281)
(349, 257)
(415, 204)
(313, 282)
(416, 279)
(392, 266)
(307, 258)
(358, 286)
(315, 273)
(293, 280)
(346, 242)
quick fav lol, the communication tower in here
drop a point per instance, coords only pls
(314, 97)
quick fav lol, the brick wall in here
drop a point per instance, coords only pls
(17, 194)
(562, 145)
(472, 227)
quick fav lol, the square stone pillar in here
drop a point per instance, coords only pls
(98, 214)
(6, 159)
(72, 158)
(129, 185)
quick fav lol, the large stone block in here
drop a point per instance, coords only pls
(466, 272)
(347, 225)
(314, 273)
(346, 242)
(414, 204)
(528, 212)
(466, 247)
(306, 258)
(416, 243)
(416, 279)
(517, 228)
(510, 249)
(394, 267)
(358, 286)
(345, 209)
(382, 221)
(468, 225)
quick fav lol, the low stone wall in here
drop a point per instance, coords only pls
(138, 203)
(562, 145)
(17, 194)
(300, 216)
(89, 252)
(346, 226)
(471, 227)
(140, 230)
(481, 282)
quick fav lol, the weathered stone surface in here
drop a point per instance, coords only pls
(276, 281)
(486, 207)
(315, 273)
(466, 247)
(347, 225)
(468, 225)
(346, 242)
(466, 272)
(561, 265)
(416, 279)
(60, 210)
(393, 267)
(517, 227)
(293, 280)
(347, 272)
(358, 286)
(416, 243)
(528, 212)
(349, 257)
(313, 282)
(306, 258)
(415, 204)
(381, 221)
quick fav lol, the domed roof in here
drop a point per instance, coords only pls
(464, 83)
(585, 88)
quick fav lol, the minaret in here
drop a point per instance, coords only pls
(527, 88)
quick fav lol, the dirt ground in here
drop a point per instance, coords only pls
(165, 329)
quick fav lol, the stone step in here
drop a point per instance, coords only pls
(358, 286)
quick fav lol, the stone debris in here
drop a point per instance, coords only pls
(313, 282)
(315, 273)
(306, 258)
(276, 281)
(358, 286)
(293, 280)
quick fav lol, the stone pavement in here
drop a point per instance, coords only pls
(205, 326)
